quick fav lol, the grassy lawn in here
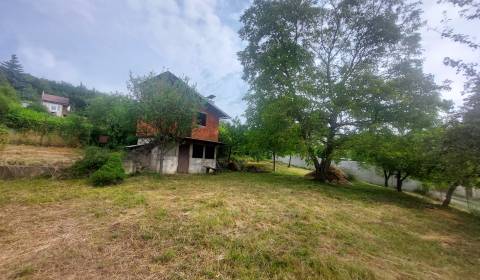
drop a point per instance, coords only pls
(229, 226)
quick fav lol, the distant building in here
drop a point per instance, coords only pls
(56, 105)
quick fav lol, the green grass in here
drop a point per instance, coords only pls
(230, 226)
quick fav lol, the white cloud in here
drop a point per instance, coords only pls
(41, 60)
(82, 9)
(190, 38)
(436, 48)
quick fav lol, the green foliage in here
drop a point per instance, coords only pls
(8, 98)
(234, 135)
(115, 117)
(271, 130)
(75, 129)
(110, 173)
(3, 136)
(94, 158)
(37, 107)
(13, 71)
(339, 67)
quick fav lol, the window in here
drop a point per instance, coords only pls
(209, 152)
(54, 107)
(202, 119)
(197, 151)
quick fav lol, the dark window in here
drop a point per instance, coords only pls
(197, 151)
(202, 119)
(209, 152)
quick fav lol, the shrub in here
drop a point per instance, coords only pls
(92, 161)
(8, 98)
(74, 129)
(3, 136)
(37, 107)
(110, 173)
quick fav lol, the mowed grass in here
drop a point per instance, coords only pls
(229, 226)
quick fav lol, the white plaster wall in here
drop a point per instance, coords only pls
(170, 160)
(58, 113)
(196, 165)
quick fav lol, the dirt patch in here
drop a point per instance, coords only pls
(334, 175)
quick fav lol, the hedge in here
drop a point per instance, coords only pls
(110, 173)
(72, 128)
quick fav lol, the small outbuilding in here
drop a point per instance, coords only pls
(192, 154)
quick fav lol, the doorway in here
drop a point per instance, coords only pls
(183, 158)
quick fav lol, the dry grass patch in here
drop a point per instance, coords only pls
(229, 226)
(38, 155)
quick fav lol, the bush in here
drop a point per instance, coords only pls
(3, 136)
(73, 128)
(37, 107)
(110, 173)
(92, 161)
(8, 98)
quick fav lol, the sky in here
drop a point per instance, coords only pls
(98, 43)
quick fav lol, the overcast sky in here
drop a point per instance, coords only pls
(99, 42)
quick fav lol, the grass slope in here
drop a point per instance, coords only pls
(38, 155)
(229, 226)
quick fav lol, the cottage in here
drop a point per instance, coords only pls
(56, 105)
(191, 155)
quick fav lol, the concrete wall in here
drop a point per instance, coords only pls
(372, 175)
(170, 160)
(362, 172)
(138, 160)
(197, 165)
(60, 109)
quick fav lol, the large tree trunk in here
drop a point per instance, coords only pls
(448, 196)
(322, 173)
(161, 157)
(314, 159)
(273, 159)
(289, 160)
(386, 175)
(399, 181)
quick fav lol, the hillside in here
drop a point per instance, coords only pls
(230, 226)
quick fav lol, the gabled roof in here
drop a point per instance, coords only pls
(172, 79)
(55, 99)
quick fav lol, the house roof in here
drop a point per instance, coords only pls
(55, 99)
(171, 78)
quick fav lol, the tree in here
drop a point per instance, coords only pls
(402, 156)
(166, 108)
(114, 116)
(455, 156)
(469, 11)
(234, 135)
(325, 59)
(272, 131)
(14, 72)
